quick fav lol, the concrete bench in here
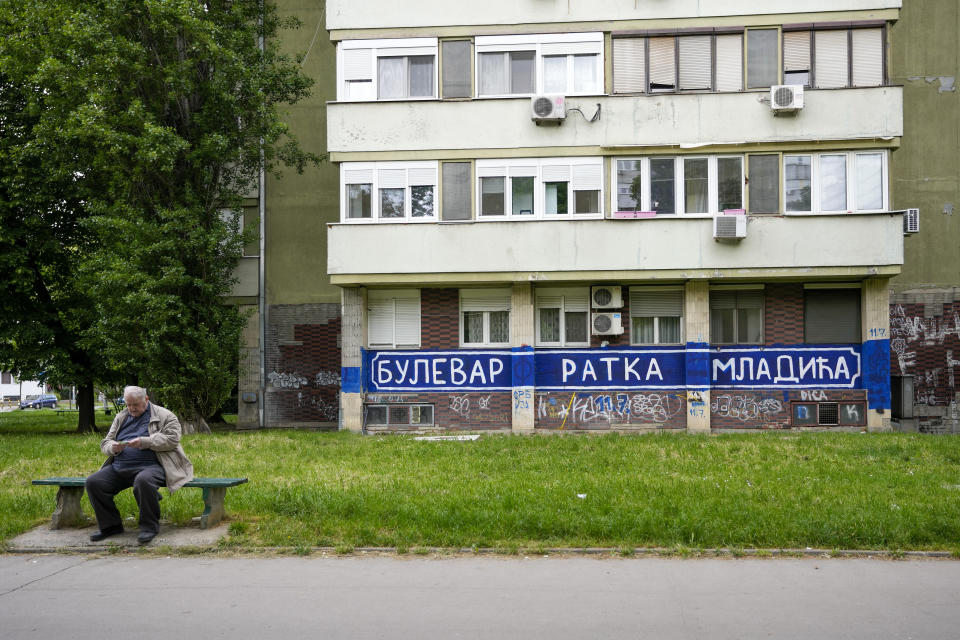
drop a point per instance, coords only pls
(68, 512)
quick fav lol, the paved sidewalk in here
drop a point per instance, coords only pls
(83, 596)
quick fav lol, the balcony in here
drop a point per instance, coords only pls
(662, 120)
(844, 245)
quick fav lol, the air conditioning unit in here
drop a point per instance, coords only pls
(606, 297)
(548, 108)
(729, 227)
(786, 98)
(606, 324)
(911, 221)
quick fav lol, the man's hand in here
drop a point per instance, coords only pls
(135, 443)
(117, 447)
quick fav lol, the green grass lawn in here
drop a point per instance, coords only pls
(774, 490)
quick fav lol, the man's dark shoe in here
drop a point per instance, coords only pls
(146, 536)
(102, 534)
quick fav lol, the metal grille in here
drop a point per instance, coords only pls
(829, 413)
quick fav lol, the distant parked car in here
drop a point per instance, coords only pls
(37, 402)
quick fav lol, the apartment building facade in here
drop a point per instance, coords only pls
(669, 216)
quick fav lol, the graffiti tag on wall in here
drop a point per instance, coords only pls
(621, 408)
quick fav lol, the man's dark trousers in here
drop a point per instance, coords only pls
(108, 482)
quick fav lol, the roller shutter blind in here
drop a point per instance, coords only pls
(867, 57)
(648, 303)
(796, 51)
(358, 64)
(730, 63)
(831, 59)
(629, 65)
(485, 300)
(393, 318)
(832, 316)
(663, 64)
(695, 62)
(586, 177)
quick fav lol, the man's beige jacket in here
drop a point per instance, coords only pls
(164, 438)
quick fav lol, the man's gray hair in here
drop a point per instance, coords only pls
(137, 393)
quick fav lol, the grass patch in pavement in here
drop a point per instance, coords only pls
(769, 490)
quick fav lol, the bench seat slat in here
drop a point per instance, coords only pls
(196, 482)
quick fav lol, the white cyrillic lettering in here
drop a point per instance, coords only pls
(382, 371)
(809, 367)
(825, 366)
(402, 370)
(609, 362)
(496, 367)
(457, 376)
(588, 371)
(477, 371)
(569, 368)
(720, 367)
(653, 369)
(782, 378)
(842, 364)
(763, 369)
(426, 371)
(437, 374)
(743, 369)
(629, 370)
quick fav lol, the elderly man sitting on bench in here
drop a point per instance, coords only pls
(143, 445)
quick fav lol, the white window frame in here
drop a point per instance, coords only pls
(383, 48)
(713, 189)
(816, 181)
(535, 167)
(544, 44)
(634, 307)
(388, 298)
(485, 301)
(411, 170)
(563, 293)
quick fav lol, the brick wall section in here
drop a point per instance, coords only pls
(925, 343)
(473, 411)
(769, 408)
(783, 313)
(440, 318)
(303, 365)
(610, 410)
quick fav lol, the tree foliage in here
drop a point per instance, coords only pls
(129, 128)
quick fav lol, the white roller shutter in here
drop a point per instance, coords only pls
(568, 48)
(629, 65)
(485, 299)
(867, 57)
(380, 323)
(587, 177)
(556, 173)
(490, 172)
(358, 64)
(796, 51)
(392, 178)
(831, 59)
(663, 63)
(571, 298)
(358, 176)
(577, 300)
(730, 63)
(646, 302)
(408, 322)
(695, 62)
(393, 318)
(422, 176)
(526, 171)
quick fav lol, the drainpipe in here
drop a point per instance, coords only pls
(262, 287)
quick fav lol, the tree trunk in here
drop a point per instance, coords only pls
(86, 420)
(195, 424)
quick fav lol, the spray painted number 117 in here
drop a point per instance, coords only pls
(878, 333)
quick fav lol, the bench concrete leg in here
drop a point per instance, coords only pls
(68, 512)
(212, 506)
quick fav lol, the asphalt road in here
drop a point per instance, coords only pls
(81, 597)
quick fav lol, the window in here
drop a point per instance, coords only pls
(539, 187)
(389, 191)
(563, 317)
(696, 62)
(762, 58)
(656, 315)
(399, 415)
(456, 72)
(484, 317)
(831, 59)
(6, 378)
(870, 189)
(565, 63)
(818, 182)
(684, 184)
(833, 182)
(736, 316)
(797, 178)
(393, 318)
(832, 316)
(763, 172)
(456, 191)
(390, 69)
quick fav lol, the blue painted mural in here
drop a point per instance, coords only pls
(697, 366)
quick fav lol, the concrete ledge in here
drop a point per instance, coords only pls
(45, 539)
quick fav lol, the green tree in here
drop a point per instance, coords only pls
(146, 121)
